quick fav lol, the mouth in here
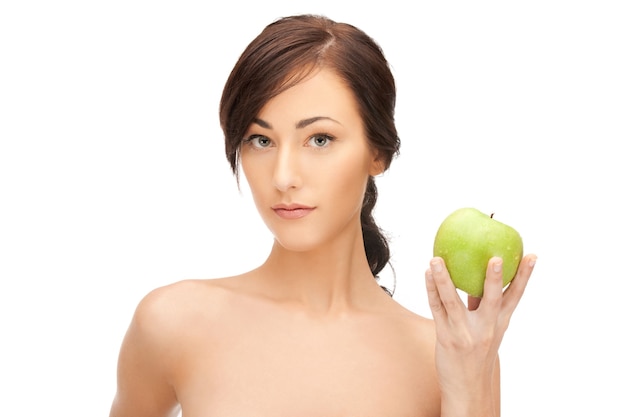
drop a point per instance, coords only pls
(292, 211)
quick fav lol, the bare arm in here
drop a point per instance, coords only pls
(144, 366)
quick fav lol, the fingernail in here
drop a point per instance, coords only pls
(497, 266)
(532, 262)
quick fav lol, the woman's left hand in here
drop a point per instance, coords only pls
(468, 337)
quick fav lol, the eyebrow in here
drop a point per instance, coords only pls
(300, 125)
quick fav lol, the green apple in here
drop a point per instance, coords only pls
(467, 239)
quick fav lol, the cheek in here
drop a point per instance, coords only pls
(254, 175)
(348, 180)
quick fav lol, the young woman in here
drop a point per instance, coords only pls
(308, 115)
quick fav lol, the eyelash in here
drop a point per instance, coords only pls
(329, 139)
(252, 140)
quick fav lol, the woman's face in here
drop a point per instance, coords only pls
(307, 161)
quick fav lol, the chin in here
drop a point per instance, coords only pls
(303, 239)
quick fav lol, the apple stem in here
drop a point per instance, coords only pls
(492, 215)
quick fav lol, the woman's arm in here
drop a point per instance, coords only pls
(144, 364)
(468, 338)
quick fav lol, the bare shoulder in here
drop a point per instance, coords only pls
(166, 308)
(160, 331)
(423, 336)
(413, 340)
(423, 328)
(166, 314)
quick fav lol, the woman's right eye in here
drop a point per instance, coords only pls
(259, 141)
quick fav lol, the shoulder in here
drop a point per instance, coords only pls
(407, 317)
(176, 297)
(163, 309)
(168, 320)
(156, 339)
(416, 330)
(168, 316)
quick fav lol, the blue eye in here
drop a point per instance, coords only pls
(259, 141)
(320, 140)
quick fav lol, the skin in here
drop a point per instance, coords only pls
(309, 332)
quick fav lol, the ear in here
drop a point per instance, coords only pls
(377, 165)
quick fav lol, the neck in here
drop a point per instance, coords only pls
(330, 278)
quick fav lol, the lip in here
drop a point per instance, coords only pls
(292, 211)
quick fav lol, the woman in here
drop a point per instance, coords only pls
(307, 114)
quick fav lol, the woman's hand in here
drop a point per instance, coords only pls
(468, 338)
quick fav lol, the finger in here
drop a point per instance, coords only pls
(515, 290)
(492, 290)
(436, 306)
(448, 295)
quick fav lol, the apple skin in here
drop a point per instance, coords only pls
(467, 239)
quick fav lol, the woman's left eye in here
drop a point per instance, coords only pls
(320, 141)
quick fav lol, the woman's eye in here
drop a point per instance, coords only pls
(259, 141)
(320, 141)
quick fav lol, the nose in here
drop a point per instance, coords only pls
(287, 169)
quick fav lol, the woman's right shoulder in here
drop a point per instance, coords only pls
(184, 292)
(171, 307)
(165, 328)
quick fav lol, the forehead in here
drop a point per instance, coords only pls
(321, 93)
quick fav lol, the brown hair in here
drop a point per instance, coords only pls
(283, 54)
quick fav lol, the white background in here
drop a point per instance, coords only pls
(113, 179)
